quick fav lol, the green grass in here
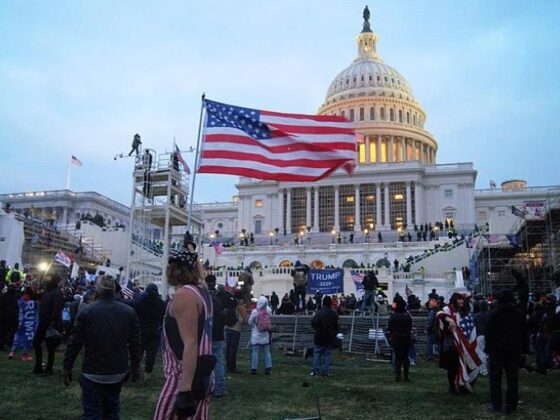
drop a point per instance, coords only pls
(358, 389)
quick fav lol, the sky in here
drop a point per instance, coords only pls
(82, 77)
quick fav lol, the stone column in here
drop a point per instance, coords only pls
(418, 200)
(357, 220)
(307, 206)
(288, 210)
(64, 216)
(336, 208)
(280, 221)
(379, 159)
(377, 206)
(408, 206)
(316, 211)
(387, 221)
(390, 149)
(403, 149)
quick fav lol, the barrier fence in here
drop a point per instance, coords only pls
(362, 334)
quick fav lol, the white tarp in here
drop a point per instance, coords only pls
(11, 239)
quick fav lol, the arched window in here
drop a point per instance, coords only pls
(372, 113)
(408, 117)
(414, 119)
(362, 78)
(362, 116)
(400, 115)
(382, 113)
(352, 114)
(391, 114)
(370, 77)
(342, 113)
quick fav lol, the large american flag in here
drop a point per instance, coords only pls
(275, 146)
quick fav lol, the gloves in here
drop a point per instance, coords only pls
(66, 376)
(134, 376)
(185, 406)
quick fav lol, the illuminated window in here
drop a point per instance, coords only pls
(350, 199)
(258, 203)
(372, 150)
(347, 207)
(399, 196)
(383, 151)
(362, 152)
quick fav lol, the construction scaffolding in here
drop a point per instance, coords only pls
(528, 258)
(158, 215)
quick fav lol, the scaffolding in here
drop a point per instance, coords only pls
(158, 215)
(531, 253)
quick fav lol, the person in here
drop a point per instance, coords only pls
(136, 144)
(400, 329)
(15, 276)
(274, 302)
(480, 322)
(458, 345)
(507, 338)
(187, 341)
(310, 306)
(300, 282)
(325, 325)
(150, 309)
(8, 316)
(50, 319)
(109, 331)
(433, 309)
(246, 277)
(233, 334)
(218, 336)
(370, 284)
(260, 335)
(3, 272)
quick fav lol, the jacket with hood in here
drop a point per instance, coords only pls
(259, 337)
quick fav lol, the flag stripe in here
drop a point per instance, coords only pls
(283, 138)
(293, 160)
(264, 173)
(320, 118)
(277, 145)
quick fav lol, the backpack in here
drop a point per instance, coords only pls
(15, 276)
(264, 323)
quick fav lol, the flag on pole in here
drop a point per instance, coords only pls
(75, 161)
(275, 146)
(63, 259)
(517, 212)
(218, 247)
(128, 291)
(180, 159)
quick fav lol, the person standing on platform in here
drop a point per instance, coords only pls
(507, 339)
(246, 280)
(300, 282)
(136, 145)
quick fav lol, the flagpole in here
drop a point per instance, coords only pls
(189, 220)
(68, 174)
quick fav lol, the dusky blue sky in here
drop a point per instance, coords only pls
(81, 77)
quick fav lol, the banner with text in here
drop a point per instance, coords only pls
(328, 282)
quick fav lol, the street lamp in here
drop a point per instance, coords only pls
(366, 236)
(271, 236)
(212, 236)
(333, 234)
(43, 266)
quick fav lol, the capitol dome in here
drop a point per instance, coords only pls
(381, 103)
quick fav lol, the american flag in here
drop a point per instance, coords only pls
(358, 279)
(275, 146)
(63, 259)
(517, 212)
(75, 161)
(128, 291)
(181, 160)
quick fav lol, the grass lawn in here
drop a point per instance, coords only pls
(358, 389)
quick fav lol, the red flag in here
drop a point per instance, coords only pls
(275, 146)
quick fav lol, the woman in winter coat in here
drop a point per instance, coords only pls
(259, 320)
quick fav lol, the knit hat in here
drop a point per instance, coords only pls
(183, 256)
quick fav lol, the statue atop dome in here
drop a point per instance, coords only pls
(366, 16)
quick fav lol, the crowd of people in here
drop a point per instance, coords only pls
(198, 331)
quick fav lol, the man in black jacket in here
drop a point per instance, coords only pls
(507, 338)
(50, 316)
(325, 324)
(109, 330)
(370, 284)
(218, 337)
(150, 310)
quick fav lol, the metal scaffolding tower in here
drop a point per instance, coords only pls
(158, 215)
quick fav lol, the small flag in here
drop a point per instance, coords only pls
(76, 161)
(517, 212)
(179, 157)
(218, 247)
(63, 259)
(128, 291)
(358, 279)
(275, 146)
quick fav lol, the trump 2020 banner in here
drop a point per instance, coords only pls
(328, 282)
